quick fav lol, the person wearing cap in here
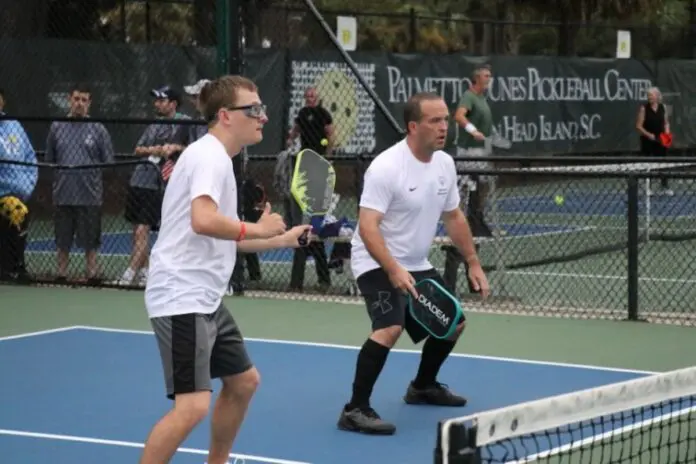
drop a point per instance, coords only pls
(158, 144)
(194, 132)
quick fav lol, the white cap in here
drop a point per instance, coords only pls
(196, 88)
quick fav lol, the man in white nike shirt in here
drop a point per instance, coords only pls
(407, 189)
(190, 267)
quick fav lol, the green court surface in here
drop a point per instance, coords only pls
(629, 345)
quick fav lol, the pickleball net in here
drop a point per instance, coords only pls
(646, 420)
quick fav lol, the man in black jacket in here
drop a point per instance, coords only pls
(314, 126)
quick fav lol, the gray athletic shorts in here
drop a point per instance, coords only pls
(79, 223)
(196, 348)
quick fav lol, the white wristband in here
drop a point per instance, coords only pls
(470, 128)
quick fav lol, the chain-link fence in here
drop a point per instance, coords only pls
(602, 241)
(599, 241)
(78, 210)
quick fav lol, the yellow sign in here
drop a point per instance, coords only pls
(623, 44)
(347, 32)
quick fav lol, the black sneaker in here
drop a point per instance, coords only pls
(364, 420)
(437, 394)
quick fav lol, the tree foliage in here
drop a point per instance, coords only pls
(585, 27)
(547, 27)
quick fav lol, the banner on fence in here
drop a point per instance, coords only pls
(544, 105)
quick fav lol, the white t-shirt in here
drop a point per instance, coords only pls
(412, 195)
(190, 272)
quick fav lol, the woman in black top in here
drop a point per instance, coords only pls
(653, 121)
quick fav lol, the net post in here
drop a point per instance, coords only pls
(234, 32)
(632, 242)
(498, 244)
(222, 28)
(462, 445)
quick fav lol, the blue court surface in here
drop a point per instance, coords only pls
(120, 244)
(92, 395)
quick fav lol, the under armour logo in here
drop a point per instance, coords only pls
(382, 302)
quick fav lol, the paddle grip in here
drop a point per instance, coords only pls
(303, 239)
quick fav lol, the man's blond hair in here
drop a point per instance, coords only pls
(222, 92)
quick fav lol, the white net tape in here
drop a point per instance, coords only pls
(549, 413)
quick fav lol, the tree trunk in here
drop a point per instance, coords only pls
(204, 22)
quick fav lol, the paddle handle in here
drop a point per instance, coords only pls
(303, 240)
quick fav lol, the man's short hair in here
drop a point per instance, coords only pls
(222, 92)
(478, 70)
(412, 110)
(2, 92)
(81, 88)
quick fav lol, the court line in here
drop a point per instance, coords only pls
(39, 333)
(130, 444)
(602, 436)
(599, 276)
(397, 350)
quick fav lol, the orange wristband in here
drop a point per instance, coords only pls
(242, 232)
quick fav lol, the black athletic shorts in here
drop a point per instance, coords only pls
(196, 348)
(388, 306)
(144, 207)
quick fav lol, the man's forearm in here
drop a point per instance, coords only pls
(224, 228)
(460, 118)
(461, 121)
(460, 233)
(153, 150)
(374, 242)
(262, 244)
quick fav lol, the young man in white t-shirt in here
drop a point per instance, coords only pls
(190, 267)
(407, 189)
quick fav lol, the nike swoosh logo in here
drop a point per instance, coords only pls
(411, 189)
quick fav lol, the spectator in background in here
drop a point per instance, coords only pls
(314, 125)
(17, 184)
(253, 195)
(652, 122)
(158, 144)
(236, 285)
(78, 193)
(475, 122)
(194, 132)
